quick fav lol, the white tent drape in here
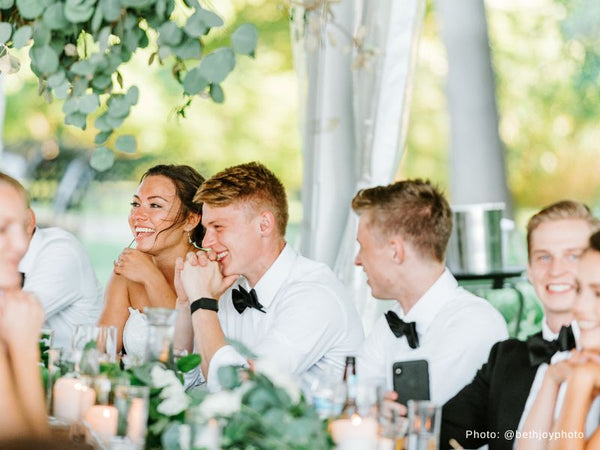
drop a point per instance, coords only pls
(370, 105)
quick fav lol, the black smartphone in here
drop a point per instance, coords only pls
(411, 380)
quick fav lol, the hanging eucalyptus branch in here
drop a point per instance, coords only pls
(79, 46)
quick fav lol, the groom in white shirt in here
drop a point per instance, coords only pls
(403, 232)
(251, 286)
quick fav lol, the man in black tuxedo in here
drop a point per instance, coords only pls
(489, 409)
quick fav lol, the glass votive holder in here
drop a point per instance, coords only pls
(101, 419)
(424, 421)
(101, 338)
(132, 404)
(393, 432)
(161, 327)
(204, 434)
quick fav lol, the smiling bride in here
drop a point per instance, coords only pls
(165, 223)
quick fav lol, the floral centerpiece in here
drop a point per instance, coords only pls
(258, 408)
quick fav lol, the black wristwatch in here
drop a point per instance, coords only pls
(204, 303)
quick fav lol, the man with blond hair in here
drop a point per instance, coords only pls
(252, 287)
(403, 232)
(493, 406)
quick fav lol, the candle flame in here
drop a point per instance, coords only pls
(106, 413)
(355, 419)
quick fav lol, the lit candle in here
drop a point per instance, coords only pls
(136, 420)
(102, 419)
(208, 436)
(356, 433)
(72, 398)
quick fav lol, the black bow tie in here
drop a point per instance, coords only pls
(401, 328)
(243, 299)
(541, 351)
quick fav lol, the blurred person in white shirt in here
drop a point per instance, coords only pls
(21, 317)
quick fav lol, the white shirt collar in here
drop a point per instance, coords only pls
(29, 257)
(550, 335)
(274, 277)
(434, 299)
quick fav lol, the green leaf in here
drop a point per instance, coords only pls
(111, 9)
(118, 106)
(6, 4)
(89, 345)
(56, 79)
(30, 9)
(97, 19)
(170, 34)
(83, 68)
(76, 119)
(89, 103)
(103, 37)
(194, 82)
(189, 362)
(54, 17)
(244, 39)
(228, 377)
(45, 59)
(190, 48)
(71, 105)
(216, 66)
(101, 81)
(210, 18)
(126, 143)
(195, 26)
(62, 90)
(138, 4)
(22, 36)
(103, 124)
(80, 86)
(41, 36)
(102, 159)
(5, 32)
(78, 11)
(216, 93)
(132, 95)
(102, 137)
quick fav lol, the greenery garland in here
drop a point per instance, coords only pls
(79, 46)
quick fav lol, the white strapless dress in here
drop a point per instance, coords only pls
(135, 336)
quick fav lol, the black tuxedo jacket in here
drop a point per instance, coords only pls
(493, 402)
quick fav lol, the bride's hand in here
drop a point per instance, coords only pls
(136, 266)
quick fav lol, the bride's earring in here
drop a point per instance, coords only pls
(189, 237)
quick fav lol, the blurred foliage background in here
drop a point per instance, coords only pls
(546, 58)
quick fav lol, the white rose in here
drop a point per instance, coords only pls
(163, 377)
(279, 378)
(174, 402)
(221, 404)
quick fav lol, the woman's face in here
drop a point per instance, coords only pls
(154, 209)
(14, 240)
(587, 302)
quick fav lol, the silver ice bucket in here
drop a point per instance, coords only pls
(476, 241)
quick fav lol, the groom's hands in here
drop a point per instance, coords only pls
(201, 276)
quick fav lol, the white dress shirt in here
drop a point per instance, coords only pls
(456, 331)
(594, 413)
(59, 273)
(309, 327)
